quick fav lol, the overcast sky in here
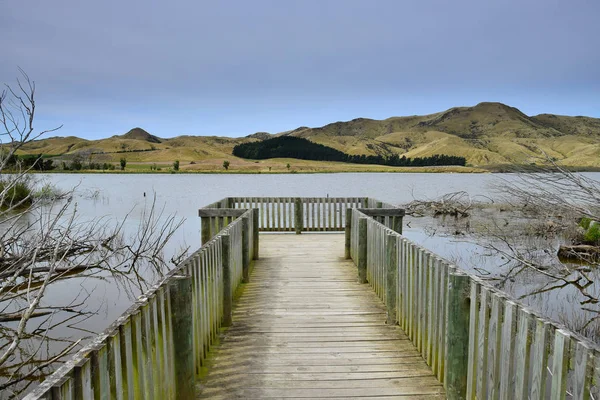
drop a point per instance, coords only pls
(233, 68)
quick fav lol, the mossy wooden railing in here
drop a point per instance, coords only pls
(157, 347)
(480, 343)
(293, 214)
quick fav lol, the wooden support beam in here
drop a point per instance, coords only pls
(204, 230)
(362, 250)
(457, 335)
(347, 243)
(220, 212)
(255, 226)
(298, 214)
(383, 212)
(245, 249)
(180, 295)
(227, 295)
(391, 268)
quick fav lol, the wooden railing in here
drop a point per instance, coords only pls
(158, 346)
(295, 214)
(480, 343)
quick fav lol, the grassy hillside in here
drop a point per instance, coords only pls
(488, 134)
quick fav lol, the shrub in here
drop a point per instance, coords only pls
(48, 192)
(585, 222)
(15, 193)
(592, 235)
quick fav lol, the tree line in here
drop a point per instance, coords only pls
(27, 161)
(295, 147)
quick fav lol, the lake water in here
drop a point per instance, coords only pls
(116, 196)
(119, 195)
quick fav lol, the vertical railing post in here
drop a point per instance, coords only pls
(457, 335)
(397, 224)
(205, 229)
(245, 249)
(226, 265)
(391, 272)
(347, 243)
(180, 296)
(362, 250)
(255, 216)
(298, 214)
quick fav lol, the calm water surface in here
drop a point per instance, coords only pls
(119, 195)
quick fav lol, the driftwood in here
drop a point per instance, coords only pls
(457, 204)
(579, 252)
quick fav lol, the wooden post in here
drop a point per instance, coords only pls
(348, 232)
(227, 297)
(457, 335)
(298, 214)
(245, 249)
(362, 250)
(255, 216)
(100, 371)
(82, 378)
(391, 266)
(397, 224)
(205, 229)
(180, 296)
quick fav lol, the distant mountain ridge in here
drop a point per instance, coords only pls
(486, 134)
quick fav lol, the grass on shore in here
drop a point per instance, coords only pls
(272, 166)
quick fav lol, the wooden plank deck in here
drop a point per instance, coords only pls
(304, 328)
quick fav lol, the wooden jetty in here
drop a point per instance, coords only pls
(367, 314)
(305, 327)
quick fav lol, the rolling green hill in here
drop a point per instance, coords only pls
(488, 135)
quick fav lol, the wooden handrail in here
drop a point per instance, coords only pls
(478, 341)
(155, 348)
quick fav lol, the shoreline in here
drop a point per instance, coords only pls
(392, 170)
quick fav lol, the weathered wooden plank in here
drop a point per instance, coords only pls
(391, 266)
(583, 371)
(442, 321)
(473, 372)
(482, 342)
(507, 362)
(180, 296)
(523, 350)
(560, 364)
(457, 323)
(540, 360)
(220, 212)
(383, 212)
(430, 308)
(436, 313)
(494, 341)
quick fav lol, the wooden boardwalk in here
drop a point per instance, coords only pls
(304, 328)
